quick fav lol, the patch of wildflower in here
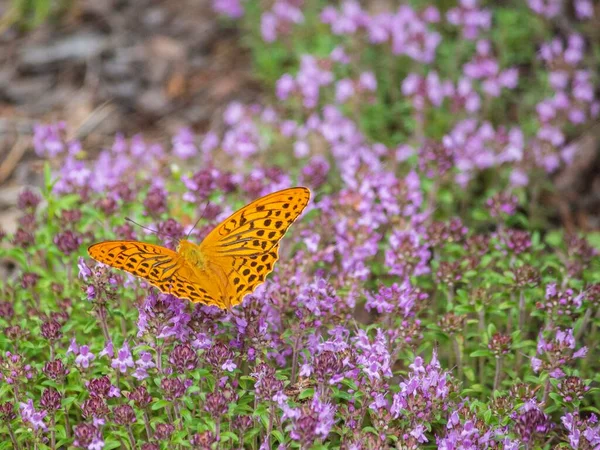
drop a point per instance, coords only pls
(427, 153)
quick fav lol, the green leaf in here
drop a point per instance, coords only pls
(159, 404)
(482, 352)
(278, 435)
(111, 443)
(229, 436)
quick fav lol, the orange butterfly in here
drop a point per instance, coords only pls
(229, 263)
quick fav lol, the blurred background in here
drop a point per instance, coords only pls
(108, 66)
(153, 66)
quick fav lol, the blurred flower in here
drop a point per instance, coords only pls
(51, 399)
(33, 417)
(124, 359)
(94, 407)
(470, 18)
(84, 356)
(55, 370)
(49, 140)
(67, 241)
(124, 415)
(406, 255)
(51, 330)
(7, 412)
(88, 436)
(173, 388)
(163, 431)
(183, 357)
(28, 200)
(140, 396)
(555, 354)
(183, 144)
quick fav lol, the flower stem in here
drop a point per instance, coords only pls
(498, 373)
(584, 323)
(522, 311)
(131, 438)
(159, 358)
(546, 391)
(52, 431)
(67, 423)
(295, 358)
(147, 425)
(103, 324)
(12, 437)
(480, 362)
(270, 427)
(457, 357)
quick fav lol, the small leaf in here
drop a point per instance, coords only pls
(159, 404)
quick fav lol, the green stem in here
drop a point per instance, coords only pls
(12, 437)
(131, 438)
(147, 425)
(52, 432)
(457, 357)
(67, 423)
(546, 391)
(295, 357)
(480, 362)
(498, 373)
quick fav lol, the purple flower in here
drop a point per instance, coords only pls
(546, 8)
(84, 355)
(311, 423)
(84, 271)
(406, 255)
(344, 90)
(164, 316)
(584, 9)
(108, 350)
(183, 144)
(48, 140)
(470, 18)
(231, 8)
(373, 357)
(35, 418)
(554, 355)
(124, 359)
(401, 298)
(88, 436)
(423, 390)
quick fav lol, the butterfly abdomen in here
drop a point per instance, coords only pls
(192, 254)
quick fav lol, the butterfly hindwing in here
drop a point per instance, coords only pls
(161, 267)
(148, 261)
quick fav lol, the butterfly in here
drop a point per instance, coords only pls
(233, 259)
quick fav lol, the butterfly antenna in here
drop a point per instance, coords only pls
(127, 219)
(199, 219)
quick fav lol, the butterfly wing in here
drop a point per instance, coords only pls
(243, 248)
(161, 267)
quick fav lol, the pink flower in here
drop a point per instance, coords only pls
(85, 357)
(123, 359)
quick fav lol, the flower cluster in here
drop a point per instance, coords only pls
(404, 305)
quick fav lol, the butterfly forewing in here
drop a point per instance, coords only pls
(158, 265)
(245, 245)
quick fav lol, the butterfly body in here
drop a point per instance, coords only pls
(191, 253)
(229, 263)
